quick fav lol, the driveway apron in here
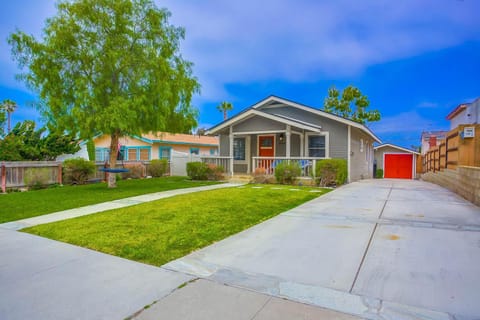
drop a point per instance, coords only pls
(379, 249)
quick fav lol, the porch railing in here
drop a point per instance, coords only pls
(307, 164)
(224, 162)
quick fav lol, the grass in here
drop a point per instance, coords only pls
(164, 230)
(21, 205)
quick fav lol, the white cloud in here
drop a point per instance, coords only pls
(404, 122)
(301, 40)
(245, 41)
(427, 105)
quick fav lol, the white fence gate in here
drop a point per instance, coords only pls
(178, 162)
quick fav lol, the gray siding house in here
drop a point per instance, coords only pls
(276, 129)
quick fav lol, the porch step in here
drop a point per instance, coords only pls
(241, 179)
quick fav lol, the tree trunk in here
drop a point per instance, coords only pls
(9, 128)
(224, 114)
(112, 177)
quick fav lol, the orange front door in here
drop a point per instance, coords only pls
(266, 146)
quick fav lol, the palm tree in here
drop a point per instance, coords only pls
(224, 107)
(9, 106)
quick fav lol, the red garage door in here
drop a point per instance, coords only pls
(398, 166)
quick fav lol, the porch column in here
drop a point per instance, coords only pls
(231, 151)
(288, 133)
(302, 148)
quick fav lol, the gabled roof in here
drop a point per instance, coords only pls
(272, 100)
(396, 147)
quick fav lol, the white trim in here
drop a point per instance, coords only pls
(288, 141)
(253, 112)
(247, 151)
(395, 147)
(326, 134)
(273, 146)
(349, 151)
(267, 132)
(407, 153)
(318, 112)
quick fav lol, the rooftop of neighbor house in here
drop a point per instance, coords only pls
(180, 138)
(439, 134)
(458, 109)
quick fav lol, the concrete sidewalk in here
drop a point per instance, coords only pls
(104, 206)
(377, 249)
(207, 300)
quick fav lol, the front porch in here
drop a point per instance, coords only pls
(263, 165)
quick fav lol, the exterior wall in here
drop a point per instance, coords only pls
(464, 181)
(129, 142)
(459, 119)
(258, 123)
(337, 131)
(82, 153)
(224, 145)
(387, 149)
(361, 161)
(471, 115)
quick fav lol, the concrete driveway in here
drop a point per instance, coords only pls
(379, 249)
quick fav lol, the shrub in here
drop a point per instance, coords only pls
(197, 170)
(158, 167)
(260, 175)
(214, 172)
(77, 170)
(331, 172)
(36, 178)
(287, 173)
(135, 171)
(379, 174)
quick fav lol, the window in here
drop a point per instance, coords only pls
(239, 149)
(164, 153)
(361, 145)
(195, 151)
(213, 151)
(138, 154)
(316, 146)
(102, 154)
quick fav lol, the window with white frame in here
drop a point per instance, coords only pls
(317, 146)
(239, 148)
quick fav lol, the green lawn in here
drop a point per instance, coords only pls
(164, 230)
(20, 205)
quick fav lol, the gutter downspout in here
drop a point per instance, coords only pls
(349, 147)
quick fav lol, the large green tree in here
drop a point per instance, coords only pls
(350, 104)
(24, 142)
(111, 66)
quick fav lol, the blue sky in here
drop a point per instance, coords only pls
(415, 60)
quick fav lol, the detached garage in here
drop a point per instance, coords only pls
(396, 162)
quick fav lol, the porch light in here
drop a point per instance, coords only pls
(281, 138)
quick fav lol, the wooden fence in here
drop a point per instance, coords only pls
(16, 174)
(455, 151)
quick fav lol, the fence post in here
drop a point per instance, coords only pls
(59, 174)
(314, 165)
(4, 178)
